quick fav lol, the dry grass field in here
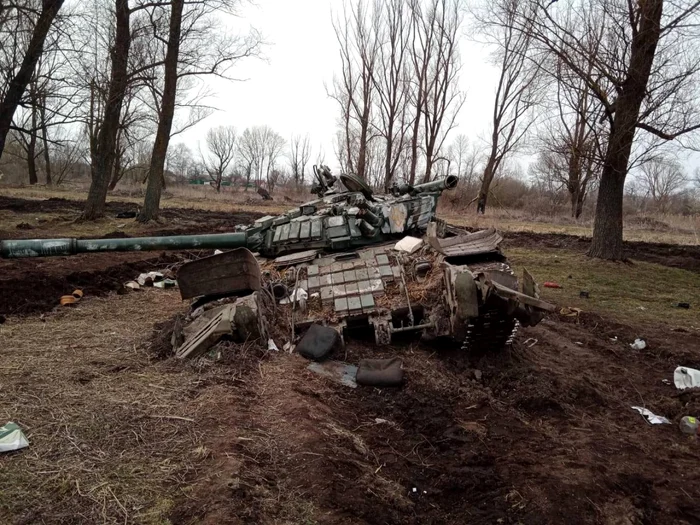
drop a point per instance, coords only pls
(543, 433)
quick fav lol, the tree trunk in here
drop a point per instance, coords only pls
(428, 167)
(31, 145)
(19, 83)
(31, 159)
(107, 136)
(116, 171)
(156, 177)
(414, 147)
(579, 203)
(387, 164)
(362, 154)
(47, 153)
(607, 228)
(489, 172)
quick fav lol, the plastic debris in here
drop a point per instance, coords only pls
(651, 417)
(72, 298)
(337, 371)
(408, 244)
(551, 284)
(165, 283)
(272, 346)
(685, 377)
(639, 344)
(584, 294)
(298, 293)
(288, 347)
(147, 279)
(217, 252)
(132, 285)
(682, 305)
(689, 425)
(569, 311)
(12, 437)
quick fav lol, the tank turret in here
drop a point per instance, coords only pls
(336, 220)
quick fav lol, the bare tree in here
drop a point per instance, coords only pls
(434, 98)
(440, 61)
(104, 151)
(571, 142)
(259, 149)
(517, 90)
(156, 179)
(179, 160)
(274, 145)
(392, 27)
(354, 88)
(645, 76)
(463, 161)
(300, 153)
(221, 143)
(248, 153)
(662, 178)
(19, 75)
(204, 52)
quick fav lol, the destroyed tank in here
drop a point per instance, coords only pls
(335, 261)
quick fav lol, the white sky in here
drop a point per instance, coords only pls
(288, 91)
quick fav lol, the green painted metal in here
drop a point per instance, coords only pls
(337, 220)
(52, 247)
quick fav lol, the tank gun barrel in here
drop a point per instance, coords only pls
(447, 183)
(49, 247)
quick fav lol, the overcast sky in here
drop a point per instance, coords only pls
(288, 90)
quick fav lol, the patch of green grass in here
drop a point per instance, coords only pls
(638, 292)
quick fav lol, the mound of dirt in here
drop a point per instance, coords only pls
(35, 290)
(545, 435)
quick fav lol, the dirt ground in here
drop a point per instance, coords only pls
(541, 433)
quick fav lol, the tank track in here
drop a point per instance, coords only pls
(491, 330)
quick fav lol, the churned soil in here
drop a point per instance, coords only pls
(540, 433)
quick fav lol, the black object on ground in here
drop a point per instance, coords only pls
(683, 305)
(318, 342)
(584, 294)
(380, 372)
